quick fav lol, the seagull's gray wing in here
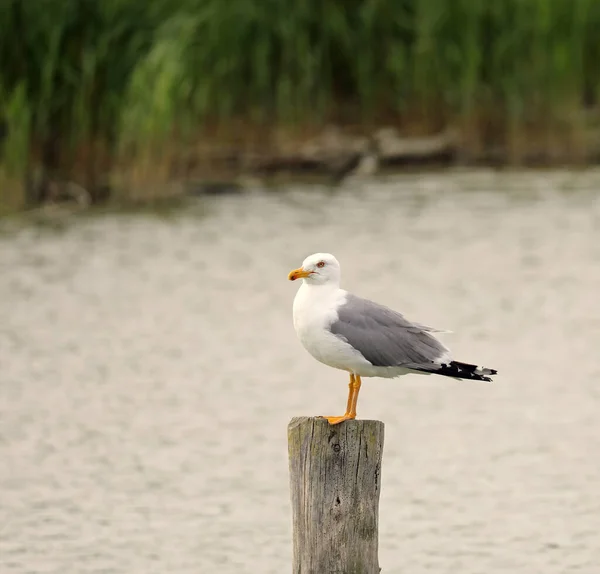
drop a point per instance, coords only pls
(385, 338)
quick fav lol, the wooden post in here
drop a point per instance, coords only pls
(335, 480)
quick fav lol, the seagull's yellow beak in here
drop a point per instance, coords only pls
(299, 273)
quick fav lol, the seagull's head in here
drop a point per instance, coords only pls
(318, 269)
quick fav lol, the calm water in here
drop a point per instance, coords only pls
(149, 368)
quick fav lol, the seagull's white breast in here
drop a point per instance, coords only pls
(315, 309)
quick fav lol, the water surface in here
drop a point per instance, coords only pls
(149, 369)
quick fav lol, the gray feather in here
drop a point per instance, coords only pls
(384, 337)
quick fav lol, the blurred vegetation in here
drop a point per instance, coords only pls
(92, 82)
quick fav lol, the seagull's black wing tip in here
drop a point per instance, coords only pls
(458, 370)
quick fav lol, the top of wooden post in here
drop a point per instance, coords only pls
(296, 421)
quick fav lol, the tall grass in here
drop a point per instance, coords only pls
(131, 74)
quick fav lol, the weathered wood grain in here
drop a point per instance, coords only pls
(335, 481)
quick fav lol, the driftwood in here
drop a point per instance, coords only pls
(339, 155)
(335, 482)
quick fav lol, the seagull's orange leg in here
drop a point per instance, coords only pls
(353, 388)
(350, 393)
(357, 384)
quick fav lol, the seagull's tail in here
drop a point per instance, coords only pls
(459, 370)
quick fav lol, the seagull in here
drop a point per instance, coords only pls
(365, 339)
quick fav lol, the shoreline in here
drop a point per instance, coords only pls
(230, 161)
(177, 199)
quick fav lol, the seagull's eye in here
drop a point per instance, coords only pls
(321, 264)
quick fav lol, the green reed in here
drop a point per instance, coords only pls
(132, 73)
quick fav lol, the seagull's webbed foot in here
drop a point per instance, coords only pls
(338, 420)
